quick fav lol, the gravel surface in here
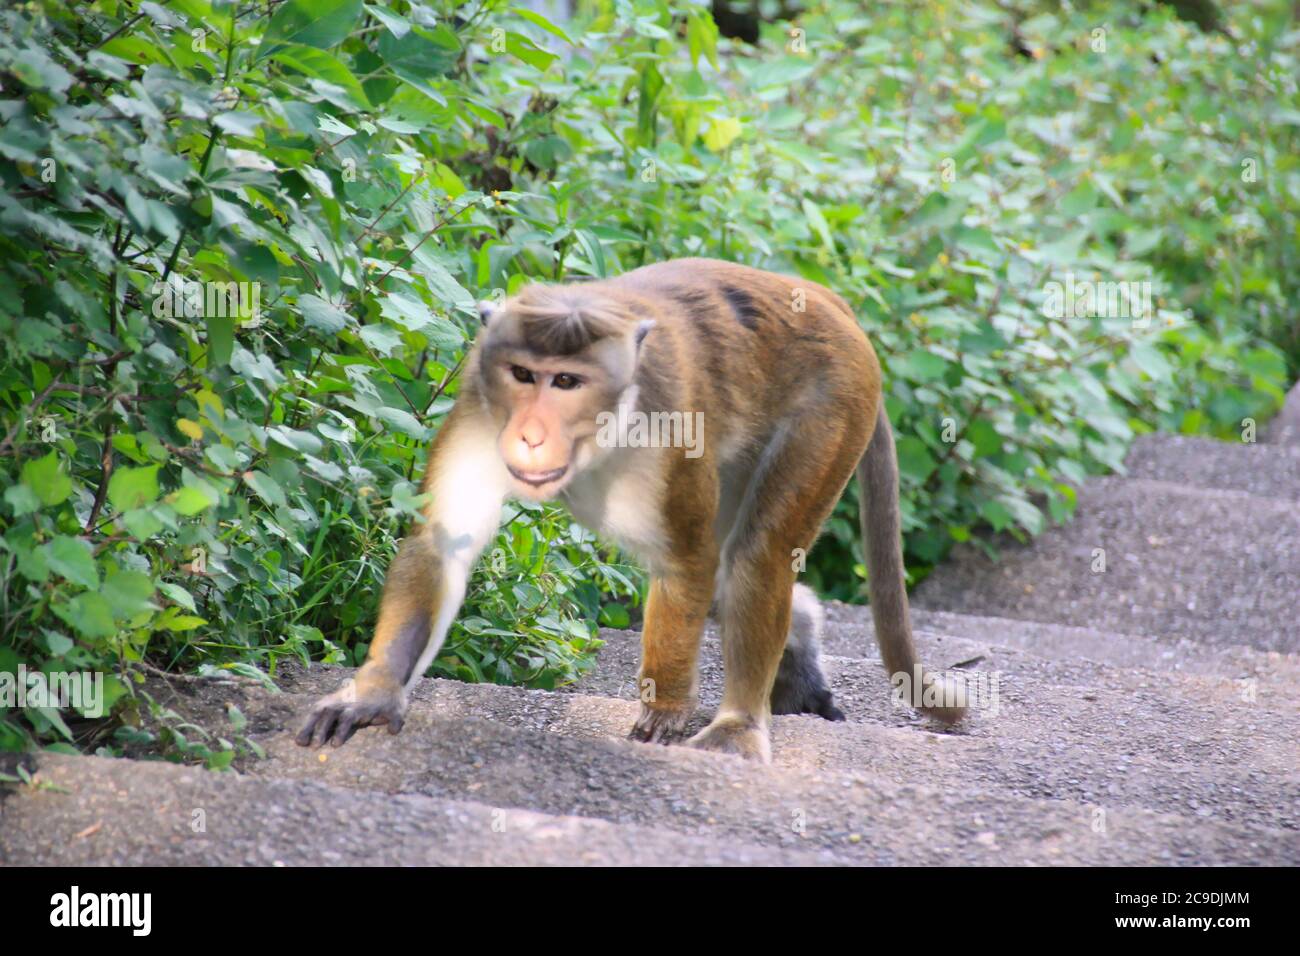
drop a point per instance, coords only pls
(1268, 471)
(1284, 429)
(1219, 567)
(101, 812)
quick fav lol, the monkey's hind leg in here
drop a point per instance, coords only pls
(795, 485)
(801, 686)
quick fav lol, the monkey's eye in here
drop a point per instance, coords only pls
(566, 381)
(521, 374)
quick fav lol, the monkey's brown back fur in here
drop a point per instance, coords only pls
(757, 352)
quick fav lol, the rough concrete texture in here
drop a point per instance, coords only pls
(1145, 716)
(838, 793)
(97, 811)
(1265, 470)
(1220, 567)
(846, 636)
(1284, 429)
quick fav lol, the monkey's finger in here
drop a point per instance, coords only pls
(347, 726)
(303, 739)
(325, 725)
(395, 722)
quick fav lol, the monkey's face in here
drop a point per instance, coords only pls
(549, 406)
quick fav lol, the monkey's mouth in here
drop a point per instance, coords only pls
(538, 479)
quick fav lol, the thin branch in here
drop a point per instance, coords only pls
(387, 209)
(105, 472)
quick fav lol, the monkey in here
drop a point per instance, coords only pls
(787, 388)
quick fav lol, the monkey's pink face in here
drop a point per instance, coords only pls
(547, 387)
(547, 437)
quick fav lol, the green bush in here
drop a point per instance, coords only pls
(219, 487)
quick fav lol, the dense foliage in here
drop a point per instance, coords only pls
(242, 241)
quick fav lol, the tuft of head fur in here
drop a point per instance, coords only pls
(564, 320)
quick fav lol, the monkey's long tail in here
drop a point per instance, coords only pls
(887, 584)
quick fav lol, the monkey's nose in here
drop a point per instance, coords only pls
(532, 437)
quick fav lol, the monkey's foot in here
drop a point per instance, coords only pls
(657, 725)
(799, 700)
(737, 735)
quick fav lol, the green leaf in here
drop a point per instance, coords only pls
(178, 594)
(702, 37)
(265, 487)
(45, 477)
(220, 759)
(984, 437)
(221, 340)
(403, 421)
(321, 315)
(182, 622)
(525, 49)
(22, 500)
(128, 593)
(141, 523)
(818, 223)
(536, 18)
(996, 514)
(444, 286)
(407, 312)
(133, 487)
(614, 615)
(73, 559)
(722, 132)
(323, 65)
(397, 24)
(382, 339)
(313, 23)
(191, 499)
(89, 613)
(914, 458)
(921, 366)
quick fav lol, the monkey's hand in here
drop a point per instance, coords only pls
(372, 697)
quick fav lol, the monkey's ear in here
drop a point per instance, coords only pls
(486, 309)
(642, 330)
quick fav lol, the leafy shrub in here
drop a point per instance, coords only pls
(332, 184)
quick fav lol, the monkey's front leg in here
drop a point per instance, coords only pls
(416, 590)
(670, 645)
(425, 584)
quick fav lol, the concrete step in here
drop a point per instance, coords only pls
(1265, 705)
(947, 638)
(1284, 429)
(1051, 777)
(1218, 567)
(564, 754)
(1075, 729)
(94, 811)
(867, 794)
(1269, 471)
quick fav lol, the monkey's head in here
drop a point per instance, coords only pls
(552, 359)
